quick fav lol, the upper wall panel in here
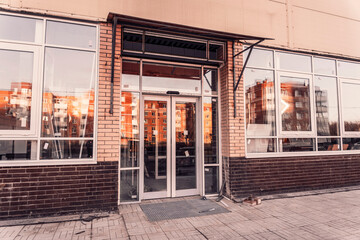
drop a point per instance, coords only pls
(325, 32)
(321, 25)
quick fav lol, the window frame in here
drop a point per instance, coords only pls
(35, 91)
(314, 136)
(142, 53)
(41, 46)
(294, 134)
(346, 134)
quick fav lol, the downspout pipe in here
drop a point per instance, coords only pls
(113, 46)
(234, 77)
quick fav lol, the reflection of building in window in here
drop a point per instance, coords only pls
(296, 106)
(260, 107)
(322, 112)
(68, 111)
(15, 106)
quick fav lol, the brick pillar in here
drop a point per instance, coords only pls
(108, 124)
(233, 127)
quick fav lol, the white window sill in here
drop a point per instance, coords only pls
(55, 162)
(302, 154)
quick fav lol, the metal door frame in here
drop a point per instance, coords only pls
(171, 147)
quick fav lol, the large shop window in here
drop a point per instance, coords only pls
(47, 90)
(296, 103)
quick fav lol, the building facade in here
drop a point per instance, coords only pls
(107, 103)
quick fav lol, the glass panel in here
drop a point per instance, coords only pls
(16, 74)
(66, 149)
(210, 81)
(324, 66)
(130, 76)
(294, 62)
(348, 69)
(351, 143)
(351, 106)
(17, 150)
(260, 102)
(72, 35)
(163, 78)
(327, 112)
(129, 186)
(185, 136)
(295, 104)
(130, 108)
(260, 58)
(328, 144)
(211, 145)
(216, 51)
(297, 144)
(155, 146)
(132, 41)
(261, 145)
(20, 28)
(168, 46)
(211, 180)
(69, 96)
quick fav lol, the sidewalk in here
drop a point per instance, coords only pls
(325, 216)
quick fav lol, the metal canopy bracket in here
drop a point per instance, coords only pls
(236, 83)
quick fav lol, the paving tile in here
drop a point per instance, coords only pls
(10, 232)
(324, 216)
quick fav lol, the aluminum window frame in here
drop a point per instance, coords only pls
(347, 134)
(35, 90)
(314, 136)
(295, 134)
(38, 105)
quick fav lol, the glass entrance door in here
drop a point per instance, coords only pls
(184, 146)
(170, 156)
(156, 147)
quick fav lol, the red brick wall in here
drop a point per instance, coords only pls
(55, 190)
(260, 176)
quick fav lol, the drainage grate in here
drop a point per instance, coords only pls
(181, 209)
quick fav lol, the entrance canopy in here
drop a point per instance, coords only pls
(181, 29)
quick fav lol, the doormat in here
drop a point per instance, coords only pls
(181, 209)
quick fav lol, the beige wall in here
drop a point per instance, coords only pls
(322, 25)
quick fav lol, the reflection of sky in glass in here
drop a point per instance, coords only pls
(293, 62)
(326, 95)
(324, 66)
(252, 76)
(350, 102)
(69, 71)
(72, 35)
(163, 84)
(347, 69)
(15, 66)
(20, 28)
(260, 58)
